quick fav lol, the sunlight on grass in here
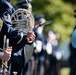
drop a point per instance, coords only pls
(65, 71)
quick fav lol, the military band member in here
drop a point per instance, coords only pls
(17, 40)
(72, 46)
(25, 4)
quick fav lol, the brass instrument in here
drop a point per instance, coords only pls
(14, 73)
(4, 70)
(23, 21)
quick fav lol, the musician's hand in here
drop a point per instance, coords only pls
(6, 54)
(31, 36)
(9, 50)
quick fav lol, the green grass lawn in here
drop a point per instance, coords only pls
(64, 71)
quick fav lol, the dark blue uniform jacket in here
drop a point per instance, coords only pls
(14, 36)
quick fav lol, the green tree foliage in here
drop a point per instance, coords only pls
(59, 12)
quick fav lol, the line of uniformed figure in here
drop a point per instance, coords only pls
(45, 58)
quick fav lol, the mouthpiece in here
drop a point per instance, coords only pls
(14, 73)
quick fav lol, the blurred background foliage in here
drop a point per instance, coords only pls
(60, 12)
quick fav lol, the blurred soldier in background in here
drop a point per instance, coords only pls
(47, 48)
(51, 48)
(36, 64)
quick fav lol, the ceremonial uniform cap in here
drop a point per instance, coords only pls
(40, 18)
